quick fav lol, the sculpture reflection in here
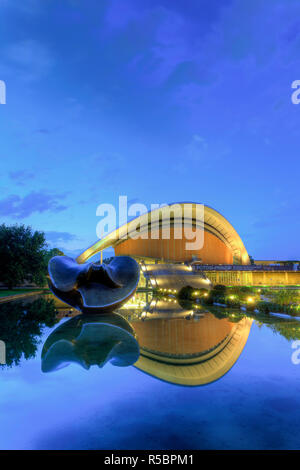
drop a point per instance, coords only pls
(91, 340)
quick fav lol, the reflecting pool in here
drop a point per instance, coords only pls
(162, 377)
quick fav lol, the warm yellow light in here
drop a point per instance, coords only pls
(250, 299)
(205, 295)
(231, 297)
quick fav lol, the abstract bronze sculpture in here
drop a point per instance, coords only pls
(91, 287)
(91, 340)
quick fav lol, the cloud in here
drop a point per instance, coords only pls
(21, 176)
(166, 36)
(62, 240)
(36, 201)
(57, 237)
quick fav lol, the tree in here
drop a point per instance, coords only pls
(286, 297)
(22, 256)
(21, 327)
(251, 259)
(53, 252)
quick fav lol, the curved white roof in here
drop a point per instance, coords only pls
(214, 222)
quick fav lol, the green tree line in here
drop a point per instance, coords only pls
(24, 256)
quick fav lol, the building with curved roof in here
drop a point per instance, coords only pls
(154, 235)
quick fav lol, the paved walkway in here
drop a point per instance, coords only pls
(24, 295)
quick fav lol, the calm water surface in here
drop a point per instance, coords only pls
(150, 391)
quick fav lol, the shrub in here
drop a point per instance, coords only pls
(250, 307)
(234, 303)
(219, 289)
(207, 300)
(219, 299)
(186, 293)
(263, 307)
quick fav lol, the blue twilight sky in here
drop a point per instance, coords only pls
(159, 100)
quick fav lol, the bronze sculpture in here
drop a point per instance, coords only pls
(91, 287)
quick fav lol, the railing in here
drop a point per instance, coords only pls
(236, 267)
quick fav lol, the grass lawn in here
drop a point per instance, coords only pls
(5, 293)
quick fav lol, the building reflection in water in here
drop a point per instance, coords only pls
(184, 343)
(91, 340)
(193, 351)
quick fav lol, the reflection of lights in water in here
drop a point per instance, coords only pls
(134, 302)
